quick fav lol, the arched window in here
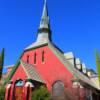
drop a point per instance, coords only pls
(58, 90)
(35, 58)
(43, 59)
(27, 58)
(19, 83)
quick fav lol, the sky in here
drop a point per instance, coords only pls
(75, 26)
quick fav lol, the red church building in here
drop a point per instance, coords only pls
(43, 63)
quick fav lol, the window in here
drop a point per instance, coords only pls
(58, 91)
(58, 88)
(27, 58)
(43, 56)
(19, 83)
(35, 58)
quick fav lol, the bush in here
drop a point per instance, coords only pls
(41, 94)
(2, 92)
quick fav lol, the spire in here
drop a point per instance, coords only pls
(44, 27)
(44, 32)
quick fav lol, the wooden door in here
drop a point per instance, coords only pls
(18, 93)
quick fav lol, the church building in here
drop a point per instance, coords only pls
(43, 63)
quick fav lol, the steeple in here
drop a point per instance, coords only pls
(44, 32)
(44, 23)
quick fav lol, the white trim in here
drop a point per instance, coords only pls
(8, 86)
(29, 83)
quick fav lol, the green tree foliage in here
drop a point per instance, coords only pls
(41, 94)
(98, 64)
(1, 62)
(2, 92)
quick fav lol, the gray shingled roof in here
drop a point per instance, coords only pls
(36, 44)
(31, 72)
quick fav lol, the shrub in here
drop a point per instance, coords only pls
(41, 94)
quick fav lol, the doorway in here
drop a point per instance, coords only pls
(19, 90)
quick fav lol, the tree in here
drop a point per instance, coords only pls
(1, 62)
(2, 93)
(41, 94)
(98, 64)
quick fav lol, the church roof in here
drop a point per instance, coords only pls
(31, 72)
(36, 44)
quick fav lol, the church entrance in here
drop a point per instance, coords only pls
(19, 93)
(19, 90)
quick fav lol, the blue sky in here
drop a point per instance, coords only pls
(75, 26)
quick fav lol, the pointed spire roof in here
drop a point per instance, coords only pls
(44, 33)
(44, 23)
